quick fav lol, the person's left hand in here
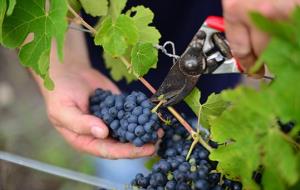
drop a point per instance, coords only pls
(68, 110)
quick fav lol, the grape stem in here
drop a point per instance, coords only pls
(289, 139)
(184, 123)
(154, 110)
(85, 24)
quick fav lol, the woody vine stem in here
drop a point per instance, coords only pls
(196, 136)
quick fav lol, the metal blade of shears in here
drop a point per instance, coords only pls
(184, 74)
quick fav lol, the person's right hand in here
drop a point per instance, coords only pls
(245, 39)
(67, 108)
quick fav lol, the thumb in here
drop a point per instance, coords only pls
(73, 119)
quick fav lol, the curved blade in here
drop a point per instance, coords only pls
(179, 82)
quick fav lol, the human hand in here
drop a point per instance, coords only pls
(248, 42)
(68, 111)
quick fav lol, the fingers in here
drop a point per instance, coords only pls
(239, 39)
(245, 41)
(105, 148)
(71, 118)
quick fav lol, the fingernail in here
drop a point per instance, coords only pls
(98, 132)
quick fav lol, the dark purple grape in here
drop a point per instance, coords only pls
(132, 119)
(147, 104)
(137, 110)
(184, 167)
(131, 127)
(130, 136)
(138, 142)
(146, 138)
(115, 124)
(109, 101)
(113, 111)
(121, 114)
(139, 131)
(142, 119)
(201, 185)
(171, 185)
(129, 105)
(182, 186)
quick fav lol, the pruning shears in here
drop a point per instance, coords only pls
(207, 53)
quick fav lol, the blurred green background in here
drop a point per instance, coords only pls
(26, 131)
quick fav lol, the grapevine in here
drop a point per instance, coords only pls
(254, 134)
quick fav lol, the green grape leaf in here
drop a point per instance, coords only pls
(280, 29)
(11, 6)
(118, 70)
(150, 34)
(142, 18)
(212, 108)
(150, 163)
(249, 127)
(128, 28)
(95, 7)
(48, 83)
(143, 58)
(115, 37)
(193, 101)
(116, 7)
(44, 24)
(2, 15)
(44, 62)
(285, 163)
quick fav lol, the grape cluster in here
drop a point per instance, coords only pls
(174, 172)
(129, 117)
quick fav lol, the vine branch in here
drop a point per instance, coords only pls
(85, 24)
(184, 123)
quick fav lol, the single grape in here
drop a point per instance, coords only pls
(201, 184)
(139, 131)
(142, 119)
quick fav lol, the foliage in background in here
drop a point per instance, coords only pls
(249, 127)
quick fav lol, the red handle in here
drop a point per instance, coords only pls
(215, 22)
